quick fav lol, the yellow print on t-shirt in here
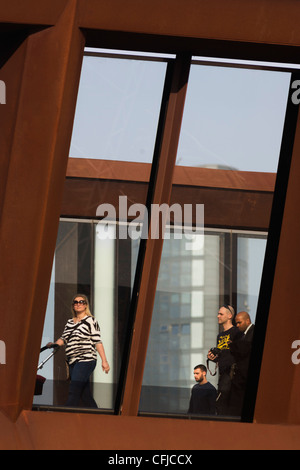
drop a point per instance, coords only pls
(224, 342)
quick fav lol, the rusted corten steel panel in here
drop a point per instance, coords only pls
(39, 120)
(32, 12)
(37, 149)
(11, 74)
(236, 209)
(260, 21)
(82, 197)
(232, 199)
(58, 431)
(113, 170)
(248, 29)
(257, 21)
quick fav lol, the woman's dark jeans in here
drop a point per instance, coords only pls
(79, 389)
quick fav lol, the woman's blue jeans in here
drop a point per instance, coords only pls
(79, 388)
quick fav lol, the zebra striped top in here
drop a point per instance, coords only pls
(82, 343)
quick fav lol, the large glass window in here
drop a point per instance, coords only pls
(192, 285)
(116, 118)
(89, 259)
(250, 259)
(183, 325)
(233, 120)
(118, 107)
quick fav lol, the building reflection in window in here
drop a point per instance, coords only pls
(184, 324)
(184, 327)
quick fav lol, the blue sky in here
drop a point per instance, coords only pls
(233, 116)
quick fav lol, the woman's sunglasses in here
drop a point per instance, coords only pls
(80, 302)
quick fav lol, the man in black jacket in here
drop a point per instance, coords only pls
(241, 351)
(228, 335)
(203, 395)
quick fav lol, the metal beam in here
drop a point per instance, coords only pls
(160, 187)
(40, 104)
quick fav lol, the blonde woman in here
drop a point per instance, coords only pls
(82, 339)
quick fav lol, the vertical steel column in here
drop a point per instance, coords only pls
(160, 192)
(272, 372)
(37, 156)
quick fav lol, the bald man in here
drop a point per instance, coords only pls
(243, 322)
(241, 351)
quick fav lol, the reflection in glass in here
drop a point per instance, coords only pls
(104, 291)
(233, 118)
(183, 324)
(86, 263)
(117, 109)
(250, 258)
(191, 286)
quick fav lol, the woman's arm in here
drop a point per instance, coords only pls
(60, 342)
(105, 365)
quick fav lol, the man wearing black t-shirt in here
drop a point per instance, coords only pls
(203, 395)
(224, 358)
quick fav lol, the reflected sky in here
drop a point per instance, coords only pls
(233, 117)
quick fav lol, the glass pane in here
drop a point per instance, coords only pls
(184, 323)
(106, 313)
(117, 109)
(192, 286)
(90, 260)
(71, 274)
(233, 118)
(251, 254)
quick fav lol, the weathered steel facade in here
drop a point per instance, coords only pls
(42, 45)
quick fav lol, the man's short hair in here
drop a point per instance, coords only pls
(231, 310)
(201, 366)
